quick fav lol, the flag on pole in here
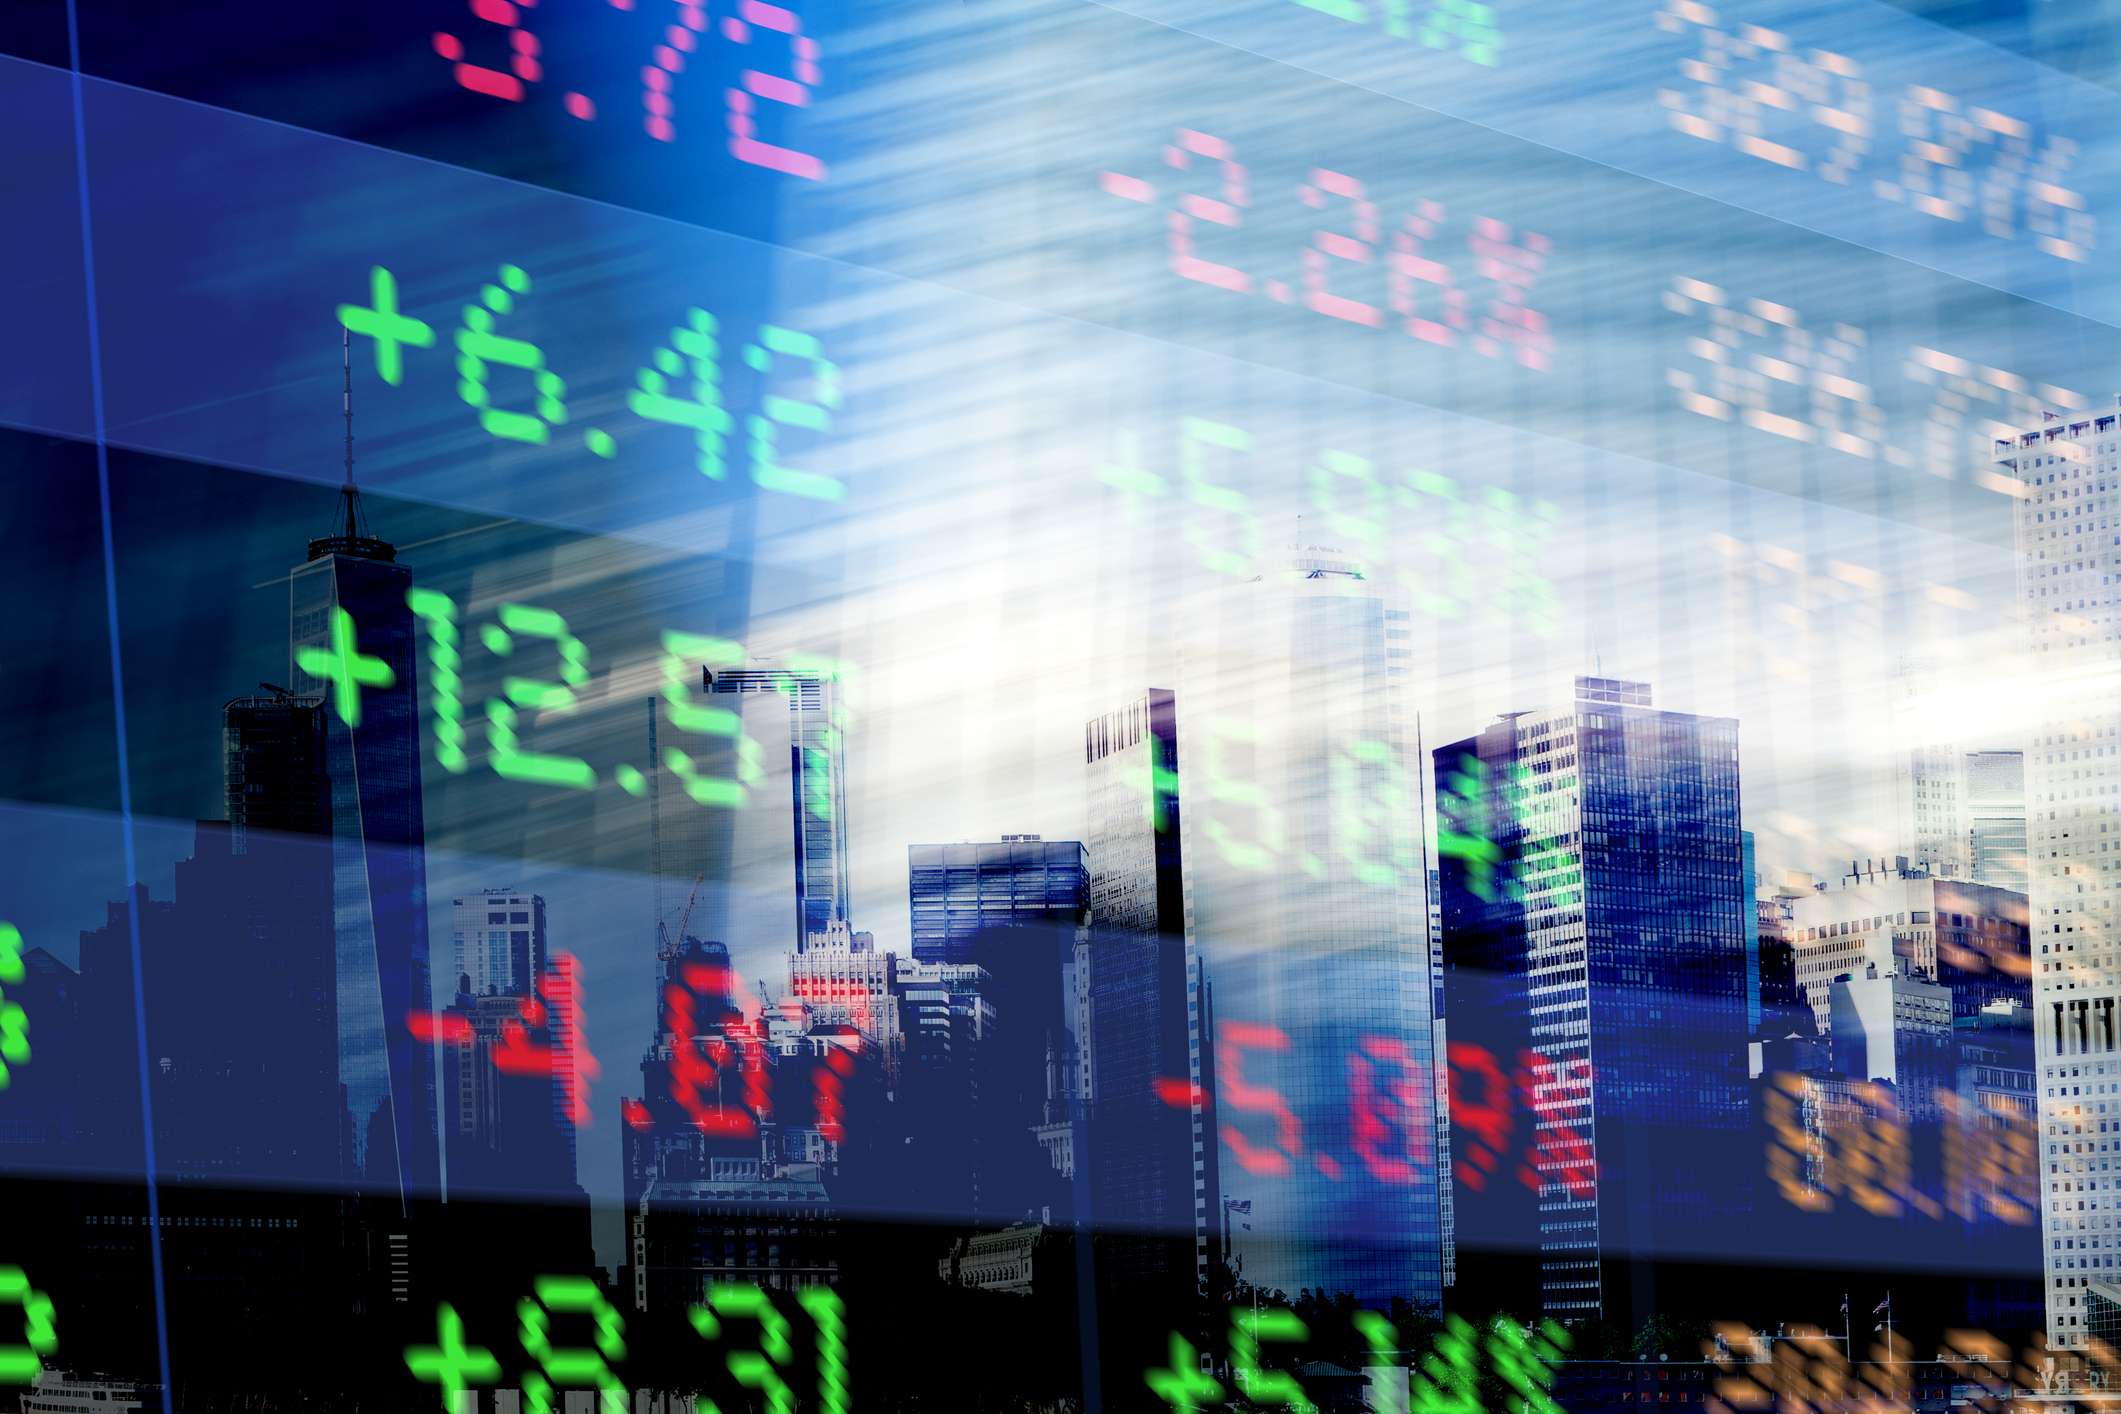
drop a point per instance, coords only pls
(1844, 1305)
(1880, 1308)
(1234, 1206)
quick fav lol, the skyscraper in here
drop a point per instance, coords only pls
(1597, 915)
(351, 642)
(962, 890)
(817, 763)
(239, 974)
(1139, 1032)
(497, 938)
(1305, 905)
(1995, 808)
(2067, 592)
(1929, 784)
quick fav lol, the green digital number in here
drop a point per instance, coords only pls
(19, 1364)
(445, 686)
(449, 1362)
(1183, 1384)
(1449, 1379)
(1382, 1338)
(1368, 790)
(14, 1021)
(1339, 475)
(1260, 853)
(680, 651)
(829, 1314)
(1462, 825)
(1263, 1387)
(1196, 435)
(753, 1368)
(778, 412)
(478, 346)
(383, 323)
(345, 668)
(571, 1366)
(694, 349)
(509, 759)
(1525, 1361)
(1469, 23)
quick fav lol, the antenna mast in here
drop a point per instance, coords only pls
(348, 491)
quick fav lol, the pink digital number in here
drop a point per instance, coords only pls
(1330, 245)
(1513, 265)
(678, 40)
(1236, 195)
(743, 127)
(523, 62)
(1409, 270)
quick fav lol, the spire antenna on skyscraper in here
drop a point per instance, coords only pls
(350, 539)
(353, 496)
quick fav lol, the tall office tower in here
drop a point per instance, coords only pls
(1929, 787)
(254, 911)
(1890, 916)
(352, 643)
(1146, 1188)
(817, 763)
(962, 890)
(497, 939)
(1306, 907)
(2068, 570)
(501, 1072)
(1596, 914)
(844, 981)
(1995, 810)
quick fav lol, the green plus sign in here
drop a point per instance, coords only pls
(385, 325)
(451, 1364)
(346, 668)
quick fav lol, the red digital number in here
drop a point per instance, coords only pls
(1236, 195)
(1409, 270)
(1561, 1154)
(1330, 245)
(523, 63)
(1376, 1108)
(1513, 264)
(695, 1065)
(1231, 1037)
(1480, 1105)
(831, 1095)
(743, 127)
(678, 40)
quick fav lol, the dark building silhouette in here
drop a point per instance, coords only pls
(504, 1123)
(39, 1108)
(738, 1139)
(352, 641)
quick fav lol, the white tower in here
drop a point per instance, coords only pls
(2067, 533)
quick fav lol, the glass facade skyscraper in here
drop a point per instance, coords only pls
(962, 890)
(1598, 924)
(817, 764)
(352, 643)
(1306, 908)
(1140, 1031)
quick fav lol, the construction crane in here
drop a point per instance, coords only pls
(662, 940)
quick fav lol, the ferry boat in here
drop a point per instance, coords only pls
(64, 1392)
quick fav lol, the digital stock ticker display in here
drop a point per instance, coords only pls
(1061, 705)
